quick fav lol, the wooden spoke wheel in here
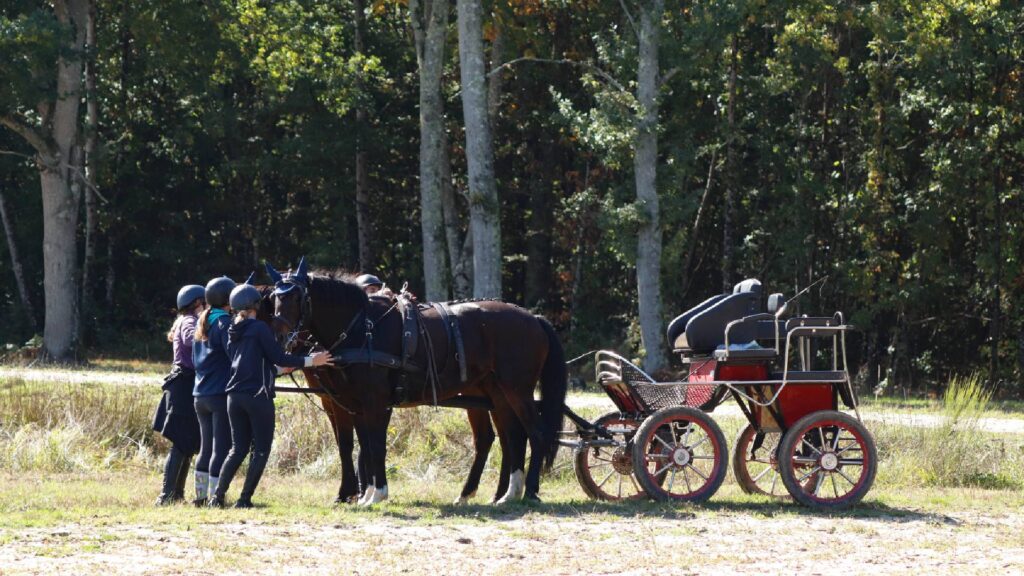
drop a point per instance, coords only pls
(755, 463)
(679, 454)
(828, 460)
(606, 472)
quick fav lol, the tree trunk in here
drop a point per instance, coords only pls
(459, 245)
(363, 223)
(730, 179)
(429, 23)
(19, 274)
(60, 205)
(91, 128)
(645, 161)
(538, 236)
(484, 208)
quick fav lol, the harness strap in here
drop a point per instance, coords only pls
(451, 321)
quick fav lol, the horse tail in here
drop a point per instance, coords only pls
(554, 383)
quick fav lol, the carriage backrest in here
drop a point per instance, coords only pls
(705, 331)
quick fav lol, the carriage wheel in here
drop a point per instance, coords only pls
(828, 460)
(757, 469)
(679, 454)
(606, 472)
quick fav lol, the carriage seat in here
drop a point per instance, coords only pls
(701, 329)
(769, 330)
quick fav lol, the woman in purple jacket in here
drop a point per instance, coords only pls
(176, 416)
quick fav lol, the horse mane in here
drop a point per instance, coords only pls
(336, 286)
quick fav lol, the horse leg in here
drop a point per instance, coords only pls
(529, 419)
(376, 435)
(513, 451)
(343, 433)
(483, 439)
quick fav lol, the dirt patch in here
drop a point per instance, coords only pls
(702, 543)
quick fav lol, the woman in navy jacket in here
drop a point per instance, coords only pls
(255, 356)
(213, 368)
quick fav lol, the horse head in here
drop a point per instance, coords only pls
(296, 294)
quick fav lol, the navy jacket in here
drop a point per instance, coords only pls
(254, 357)
(213, 364)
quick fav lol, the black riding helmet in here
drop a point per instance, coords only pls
(368, 280)
(245, 297)
(189, 294)
(218, 291)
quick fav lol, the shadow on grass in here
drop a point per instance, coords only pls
(872, 510)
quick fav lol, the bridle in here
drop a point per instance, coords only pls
(289, 283)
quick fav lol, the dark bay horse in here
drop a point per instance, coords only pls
(343, 425)
(507, 351)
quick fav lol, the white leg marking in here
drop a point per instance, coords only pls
(365, 500)
(379, 495)
(516, 488)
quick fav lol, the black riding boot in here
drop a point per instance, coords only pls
(172, 470)
(257, 463)
(179, 486)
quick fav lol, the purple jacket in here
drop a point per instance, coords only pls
(184, 332)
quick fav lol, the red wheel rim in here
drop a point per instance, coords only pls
(611, 468)
(831, 461)
(763, 467)
(683, 457)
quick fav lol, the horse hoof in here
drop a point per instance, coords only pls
(377, 496)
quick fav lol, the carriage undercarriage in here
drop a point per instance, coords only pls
(662, 443)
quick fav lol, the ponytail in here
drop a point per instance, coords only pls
(174, 329)
(201, 329)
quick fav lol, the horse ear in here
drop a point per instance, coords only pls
(301, 272)
(252, 276)
(274, 274)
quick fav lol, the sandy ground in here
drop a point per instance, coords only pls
(722, 542)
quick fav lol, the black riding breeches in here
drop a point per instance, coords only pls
(214, 431)
(252, 426)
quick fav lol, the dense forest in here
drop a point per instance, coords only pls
(607, 163)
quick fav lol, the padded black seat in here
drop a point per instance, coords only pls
(706, 330)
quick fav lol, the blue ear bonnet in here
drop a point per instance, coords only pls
(284, 287)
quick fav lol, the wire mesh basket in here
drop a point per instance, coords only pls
(661, 395)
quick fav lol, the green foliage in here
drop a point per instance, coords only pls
(879, 144)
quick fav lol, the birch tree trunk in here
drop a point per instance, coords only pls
(648, 258)
(364, 226)
(91, 128)
(460, 249)
(429, 20)
(19, 273)
(484, 209)
(730, 179)
(55, 140)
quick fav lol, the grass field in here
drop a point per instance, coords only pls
(79, 470)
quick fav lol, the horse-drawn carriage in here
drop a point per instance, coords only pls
(488, 357)
(787, 375)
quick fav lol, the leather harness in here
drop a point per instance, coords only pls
(413, 330)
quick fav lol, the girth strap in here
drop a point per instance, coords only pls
(454, 333)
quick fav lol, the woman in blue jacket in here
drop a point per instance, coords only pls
(175, 416)
(255, 356)
(213, 368)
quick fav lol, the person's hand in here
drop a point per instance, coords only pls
(286, 370)
(322, 358)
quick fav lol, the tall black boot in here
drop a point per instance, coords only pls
(179, 485)
(172, 469)
(257, 463)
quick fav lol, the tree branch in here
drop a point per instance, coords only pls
(30, 134)
(629, 16)
(587, 65)
(19, 154)
(669, 75)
